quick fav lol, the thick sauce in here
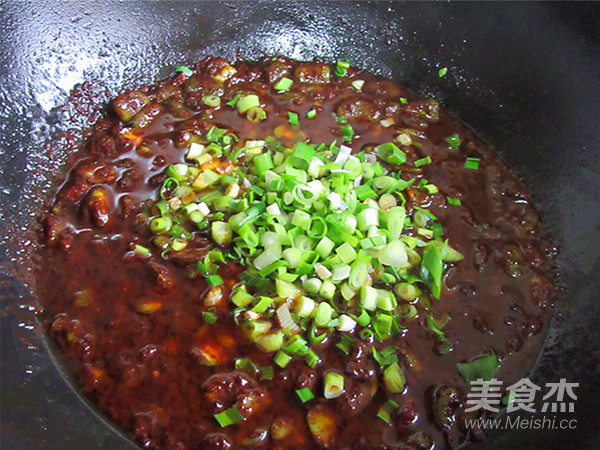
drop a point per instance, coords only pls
(130, 326)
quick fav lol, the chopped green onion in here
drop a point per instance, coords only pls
(305, 306)
(386, 356)
(394, 379)
(270, 342)
(240, 296)
(346, 252)
(484, 367)
(253, 330)
(431, 269)
(394, 254)
(256, 114)
(406, 291)
(312, 359)
(442, 72)
(266, 373)
(385, 300)
(453, 201)
(293, 118)
(221, 232)
(262, 305)
(302, 155)
(178, 244)
(347, 133)
(382, 325)
(285, 289)
(422, 161)
(246, 102)
(214, 280)
(209, 317)
(453, 141)
(301, 219)
(177, 171)
(212, 100)
(390, 153)
(184, 70)
(472, 163)
(308, 221)
(327, 289)
(364, 192)
(305, 394)
(368, 298)
(385, 412)
(141, 250)
(283, 84)
(262, 163)
(358, 84)
(229, 416)
(247, 366)
(345, 344)
(334, 385)
(234, 100)
(435, 326)
(407, 312)
(282, 359)
(363, 319)
(341, 68)
(323, 314)
(311, 114)
(403, 100)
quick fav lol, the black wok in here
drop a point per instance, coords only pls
(524, 75)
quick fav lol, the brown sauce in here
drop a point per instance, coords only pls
(139, 367)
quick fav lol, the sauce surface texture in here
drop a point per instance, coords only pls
(158, 346)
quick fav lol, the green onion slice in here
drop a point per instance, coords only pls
(229, 417)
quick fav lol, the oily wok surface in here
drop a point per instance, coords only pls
(522, 75)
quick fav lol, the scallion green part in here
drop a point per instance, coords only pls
(453, 141)
(234, 100)
(472, 163)
(386, 356)
(422, 161)
(394, 379)
(212, 100)
(214, 280)
(484, 367)
(442, 72)
(229, 416)
(141, 250)
(184, 70)
(305, 394)
(390, 153)
(347, 132)
(209, 317)
(283, 84)
(386, 411)
(341, 68)
(266, 373)
(293, 118)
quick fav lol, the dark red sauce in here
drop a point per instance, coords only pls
(129, 327)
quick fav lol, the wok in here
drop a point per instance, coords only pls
(524, 75)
